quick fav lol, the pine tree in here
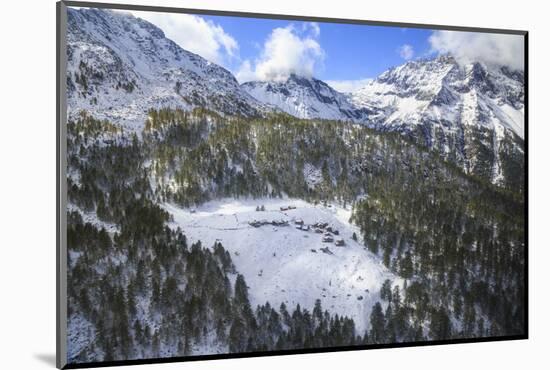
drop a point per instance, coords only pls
(378, 324)
(385, 291)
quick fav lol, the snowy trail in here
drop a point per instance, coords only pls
(285, 264)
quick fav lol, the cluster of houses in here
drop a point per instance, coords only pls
(287, 208)
(300, 225)
(256, 223)
(322, 228)
(329, 233)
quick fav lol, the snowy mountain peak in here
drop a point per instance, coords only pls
(411, 75)
(440, 90)
(305, 97)
(120, 66)
(468, 113)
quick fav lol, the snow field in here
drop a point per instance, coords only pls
(285, 264)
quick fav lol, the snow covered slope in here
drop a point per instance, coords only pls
(471, 114)
(286, 264)
(120, 66)
(440, 90)
(306, 98)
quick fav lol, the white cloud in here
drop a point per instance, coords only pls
(406, 51)
(195, 34)
(284, 52)
(246, 72)
(467, 47)
(313, 28)
(348, 86)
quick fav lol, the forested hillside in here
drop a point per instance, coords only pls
(211, 215)
(139, 289)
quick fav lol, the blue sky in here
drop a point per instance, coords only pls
(343, 55)
(351, 51)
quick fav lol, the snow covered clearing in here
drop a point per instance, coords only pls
(283, 263)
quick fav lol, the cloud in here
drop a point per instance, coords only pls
(348, 86)
(467, 47)
(313, 28)
(406, 51)
(246, 72)
(286, 51)
(195, 34)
